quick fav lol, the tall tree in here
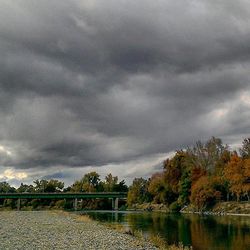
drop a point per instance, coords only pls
(208, 155)
(237, 173)
(110, 182)
(245, 150)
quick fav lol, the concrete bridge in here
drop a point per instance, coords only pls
(115, 196)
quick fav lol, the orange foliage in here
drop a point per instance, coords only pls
(197, 173)
(203, 192)
(237, 173)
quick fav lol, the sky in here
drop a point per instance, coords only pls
(118, 85)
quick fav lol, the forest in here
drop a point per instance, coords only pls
(201, 175)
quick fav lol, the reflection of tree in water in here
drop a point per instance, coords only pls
(173, 228)
(219, 233)
(202, 232)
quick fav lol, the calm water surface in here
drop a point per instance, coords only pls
(202, 232)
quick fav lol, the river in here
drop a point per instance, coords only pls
(200, 232)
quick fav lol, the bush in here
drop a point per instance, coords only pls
(35, 203)
(60, 204)
(175, 207)
(68, 204)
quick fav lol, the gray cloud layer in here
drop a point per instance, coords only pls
(99, 82)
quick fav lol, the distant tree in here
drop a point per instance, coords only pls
(121, 187)
(245, 150)
(157, 188)
(48, 186)
(160, 190)
(24, 188)
(110, 183)
(138, 192)
(89, 183)
(208, 155)
(6, 188)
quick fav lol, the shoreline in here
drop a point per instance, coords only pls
(62, 230)
(220, 209)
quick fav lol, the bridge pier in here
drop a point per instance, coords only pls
(115, 203)
(75, 204)
(18, 204)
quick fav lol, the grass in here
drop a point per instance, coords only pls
(156, 240)
(159, 242)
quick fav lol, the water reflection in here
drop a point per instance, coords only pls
(202, 232)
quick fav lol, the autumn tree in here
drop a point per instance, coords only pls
(203, 192)
(178, 172)
(237, 173)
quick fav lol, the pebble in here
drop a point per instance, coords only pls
(42, 230)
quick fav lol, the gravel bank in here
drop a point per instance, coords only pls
(55, 230)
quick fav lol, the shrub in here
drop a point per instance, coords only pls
(175, 207)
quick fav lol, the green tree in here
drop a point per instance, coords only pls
(89, 183)
(121, 187)
(48, 186)
(110, 183)
(138, 192)
(185, 187)
(24, 188)
(6, 188)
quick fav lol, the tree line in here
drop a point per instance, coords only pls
(200, 175)
(90, 182)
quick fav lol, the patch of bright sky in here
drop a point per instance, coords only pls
(245, 98)
(10, 174)
(5, 150)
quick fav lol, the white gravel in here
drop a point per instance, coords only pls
(54, 230)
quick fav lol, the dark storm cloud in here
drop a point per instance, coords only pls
(89, 83)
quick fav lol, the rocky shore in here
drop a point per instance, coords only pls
(222, 208)
(58, 230)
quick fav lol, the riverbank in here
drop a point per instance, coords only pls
(60, 230)
(222, 208)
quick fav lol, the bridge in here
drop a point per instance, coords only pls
(115, 196)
